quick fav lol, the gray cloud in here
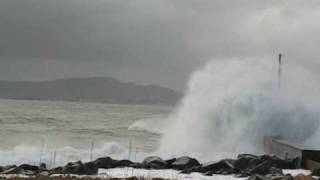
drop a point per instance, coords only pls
(149, 41)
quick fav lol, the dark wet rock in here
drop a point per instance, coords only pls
(242, 164)
(56, 170)
(184, 163)
(265, 165)
(8, 167)
(246, 162)
(79, 168)
(13, 170)
(91, 168)
(136, 165)
(247, 156)
(246, 165)
(170, 161)
(277, 162)
(208, 173)
(262, 169)
(254, 163)
(276, 171)
(225, 171)
(72, 168)
(195, 169)
(122, 163)
(215, 167)
(154, 162)
(28, 167)
(104, 162)
(43, 166)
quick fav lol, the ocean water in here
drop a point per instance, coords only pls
(59, 132)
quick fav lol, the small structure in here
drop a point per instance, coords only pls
(307, 157)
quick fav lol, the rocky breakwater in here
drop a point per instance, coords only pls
(246, 165)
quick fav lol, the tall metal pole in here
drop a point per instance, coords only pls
(279, 71)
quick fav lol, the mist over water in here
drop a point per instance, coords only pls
(230, 105)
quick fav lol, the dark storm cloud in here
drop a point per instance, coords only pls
(149, 41)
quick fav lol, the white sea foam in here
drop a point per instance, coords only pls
(152, 125)
(231, 105)
(59, 156)
(173, 174)
(166, 174)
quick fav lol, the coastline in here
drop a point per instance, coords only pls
(246, 166)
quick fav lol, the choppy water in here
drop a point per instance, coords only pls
(57, 132)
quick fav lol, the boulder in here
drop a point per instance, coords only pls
(247, 156)
(79, 168)
(184, 163)
(225, 171)
(91, 168)
(122, 163)
(195, 169)
(56, 170)
(136, 165)
(104, 162)
(262, 169)
(28, 167)
(246, 162)
(170, 161)
(154, 162)
(242, 164)
(275, 171)
(13, 170)
(218, 167)
(8, 167)
(277, 162)
(43, 166)
(266, 165)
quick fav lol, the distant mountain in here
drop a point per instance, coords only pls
(108, 90)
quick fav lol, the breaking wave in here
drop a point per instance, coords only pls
(229, 106)
(152, 125)
(59, 156)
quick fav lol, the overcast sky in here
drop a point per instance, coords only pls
(150, 41)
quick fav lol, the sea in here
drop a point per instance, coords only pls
(55, 132)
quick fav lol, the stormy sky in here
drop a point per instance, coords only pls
(150, 41)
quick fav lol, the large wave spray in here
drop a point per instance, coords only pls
(231, 105)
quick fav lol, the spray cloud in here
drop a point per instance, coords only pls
(230, 105)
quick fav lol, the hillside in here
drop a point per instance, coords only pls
(107, 90)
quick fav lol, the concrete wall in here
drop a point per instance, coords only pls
(283, 150)
(307, 157)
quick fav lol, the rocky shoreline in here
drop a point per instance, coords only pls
(248, 166)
